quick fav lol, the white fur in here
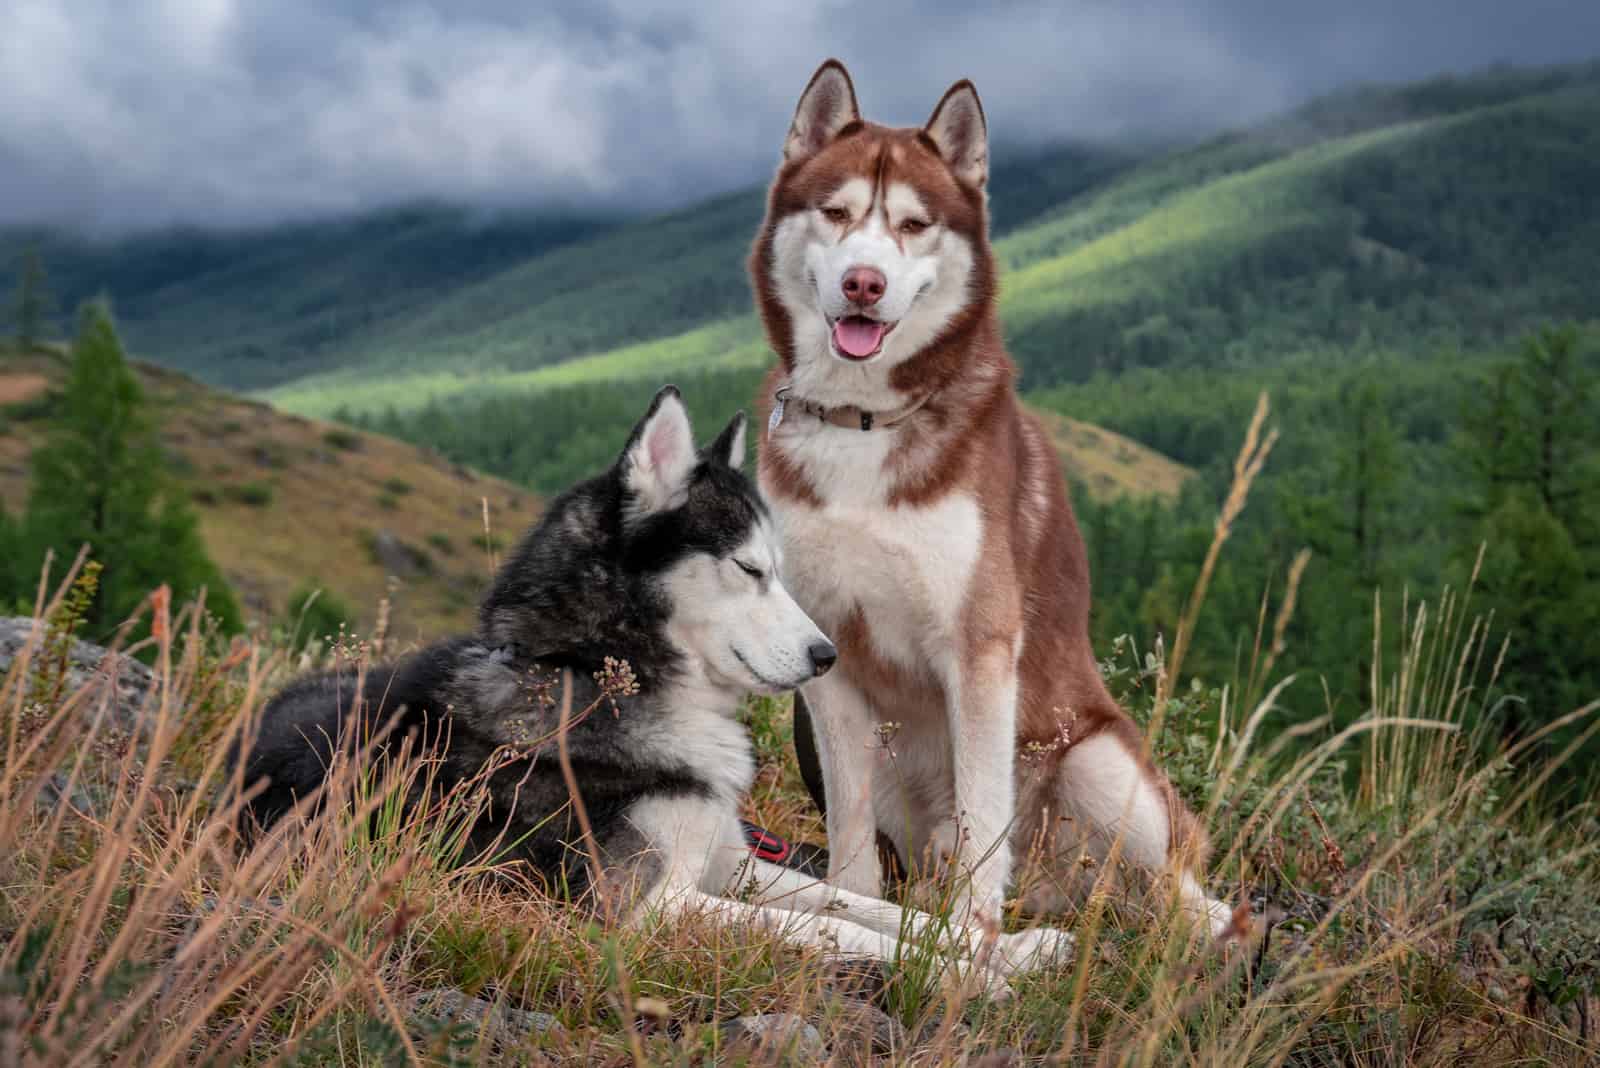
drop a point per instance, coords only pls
(909, 570)
(706, 862)
(1106, 790)
(947, 782)
(737, 630)
(928, 280)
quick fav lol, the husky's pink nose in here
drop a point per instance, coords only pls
(864, 286)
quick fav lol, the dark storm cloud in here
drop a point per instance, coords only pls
(218, 111)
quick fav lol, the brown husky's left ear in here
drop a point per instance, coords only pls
(958, 128)
(827, 106)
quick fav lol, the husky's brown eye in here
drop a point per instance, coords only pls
(912, 227)
(751, 570)
(836, 215)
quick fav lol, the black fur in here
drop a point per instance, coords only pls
(583, 585)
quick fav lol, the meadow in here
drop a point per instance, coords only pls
(1407, 889)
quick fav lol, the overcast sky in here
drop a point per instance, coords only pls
(132, 113)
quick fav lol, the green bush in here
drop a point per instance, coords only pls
(314, 613)
(255, 494)
(342, 439)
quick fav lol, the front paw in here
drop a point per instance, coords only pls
(1037, 947)
(945, 843)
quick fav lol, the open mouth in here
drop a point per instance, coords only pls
(856, 337)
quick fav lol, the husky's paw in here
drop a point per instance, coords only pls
(1229, 927)
(1037, 947)
(989, 977)
(943, 851)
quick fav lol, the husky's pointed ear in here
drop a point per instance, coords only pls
(827, 106)
(958, 129)
(655, 465)
(729, 446)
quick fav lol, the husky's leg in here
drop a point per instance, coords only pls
(804, 928)
(847, 749)
(832, 935)
(786, 888)
(1108, 792)
(982, 710)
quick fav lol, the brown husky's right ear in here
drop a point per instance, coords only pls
(827, 106)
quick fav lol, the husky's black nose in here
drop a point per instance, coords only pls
(823, 654)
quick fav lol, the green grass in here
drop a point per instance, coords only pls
(1397, 856)
(733, 344)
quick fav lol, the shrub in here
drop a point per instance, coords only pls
(314, 613)
(342, 439)
(255, 494)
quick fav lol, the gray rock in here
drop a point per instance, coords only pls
(931, 1030)
(865, 1027)
(398, 558)
(505, 1027)
(131, 681)
(54, 793)
(775, 1031)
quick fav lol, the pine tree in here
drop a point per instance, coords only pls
(1534, 488)
(100, 480)
(32, 307)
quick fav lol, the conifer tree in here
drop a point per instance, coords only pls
(100, 479)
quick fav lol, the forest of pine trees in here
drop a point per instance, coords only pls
(1392, 470)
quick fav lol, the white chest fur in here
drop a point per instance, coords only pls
(907, 568)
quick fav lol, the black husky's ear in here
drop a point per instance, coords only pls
(729, 446)
(958, 128)
(655, 466)
(827, 106)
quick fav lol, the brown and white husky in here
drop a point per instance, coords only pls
(926, 528)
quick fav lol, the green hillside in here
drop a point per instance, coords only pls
(1458, 211)
(431, 289)
(1460, 208)
(251, 309)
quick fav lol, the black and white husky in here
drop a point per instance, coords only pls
(667, 561)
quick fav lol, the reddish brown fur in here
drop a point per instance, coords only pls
(973, 436)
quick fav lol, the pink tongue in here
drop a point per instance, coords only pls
(857, 336)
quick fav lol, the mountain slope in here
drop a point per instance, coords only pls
(1468, 221)
(434, 288)
(285, 502)
(250, 309)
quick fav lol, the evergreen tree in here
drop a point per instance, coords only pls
(12, 588)
(32, 307)
(100, 480)
(1531, 455)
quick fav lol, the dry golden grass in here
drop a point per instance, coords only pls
(1108, 464)
(139, 930)
(19, 386)
(330, 493)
